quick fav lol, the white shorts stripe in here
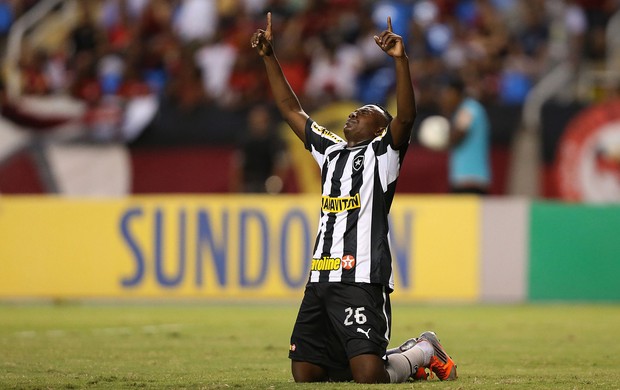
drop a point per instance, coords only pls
(387, 319)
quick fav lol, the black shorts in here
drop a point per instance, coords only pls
(338, 321)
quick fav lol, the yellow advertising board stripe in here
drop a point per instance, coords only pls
(444, 252)
(217, 246)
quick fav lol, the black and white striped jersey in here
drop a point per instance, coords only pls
(358, 186)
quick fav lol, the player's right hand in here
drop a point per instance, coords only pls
(389, 42)
(262, 40)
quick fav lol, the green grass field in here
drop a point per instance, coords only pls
(235, 345)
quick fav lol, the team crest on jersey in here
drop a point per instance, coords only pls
(348, 262)
(358, 162)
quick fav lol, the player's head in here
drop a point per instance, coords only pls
(367, 122)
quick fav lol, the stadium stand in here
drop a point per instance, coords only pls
(104, 55)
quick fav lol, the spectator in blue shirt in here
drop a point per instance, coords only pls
(469, 170)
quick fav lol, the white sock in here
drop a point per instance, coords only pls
(401, 366)
(428, 350)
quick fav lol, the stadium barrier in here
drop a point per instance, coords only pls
(444, 248)
(574, 252)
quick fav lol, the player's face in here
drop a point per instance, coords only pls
(364, 123)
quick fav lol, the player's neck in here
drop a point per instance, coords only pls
(353, 144)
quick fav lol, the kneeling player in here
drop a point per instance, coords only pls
(343, 326)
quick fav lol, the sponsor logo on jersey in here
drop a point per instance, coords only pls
(326, 264)
(338, 205)
(348, 262)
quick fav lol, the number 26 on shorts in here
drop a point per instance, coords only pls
(357, 315)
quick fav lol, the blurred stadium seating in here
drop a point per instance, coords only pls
(173, 81)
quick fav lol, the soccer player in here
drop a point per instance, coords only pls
(343, 326)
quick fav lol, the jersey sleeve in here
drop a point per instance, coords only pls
(318, 139)
(389, 158)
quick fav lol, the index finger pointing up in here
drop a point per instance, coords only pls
(389, 24)
(268, 29)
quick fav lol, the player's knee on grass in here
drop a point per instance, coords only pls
(368, 368)
(307, 372)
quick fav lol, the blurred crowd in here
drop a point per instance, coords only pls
(197, 52)
(182, 72)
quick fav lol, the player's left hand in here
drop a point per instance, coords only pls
(389, 42)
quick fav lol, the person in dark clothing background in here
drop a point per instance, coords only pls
(261, 160)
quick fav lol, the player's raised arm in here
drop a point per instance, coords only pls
(287, 102)
(402, 124)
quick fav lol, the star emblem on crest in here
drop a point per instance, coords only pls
(358, 162)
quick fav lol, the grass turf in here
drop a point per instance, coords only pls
(245, 345)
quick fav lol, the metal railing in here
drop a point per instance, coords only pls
(14, 43)
(612, 36)
(525, 161)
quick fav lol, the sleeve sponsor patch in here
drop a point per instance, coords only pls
(323, 132)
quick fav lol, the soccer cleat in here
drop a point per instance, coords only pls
(407, 345)
(420, 374)
(441, 364)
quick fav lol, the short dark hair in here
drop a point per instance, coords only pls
(386, 114)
